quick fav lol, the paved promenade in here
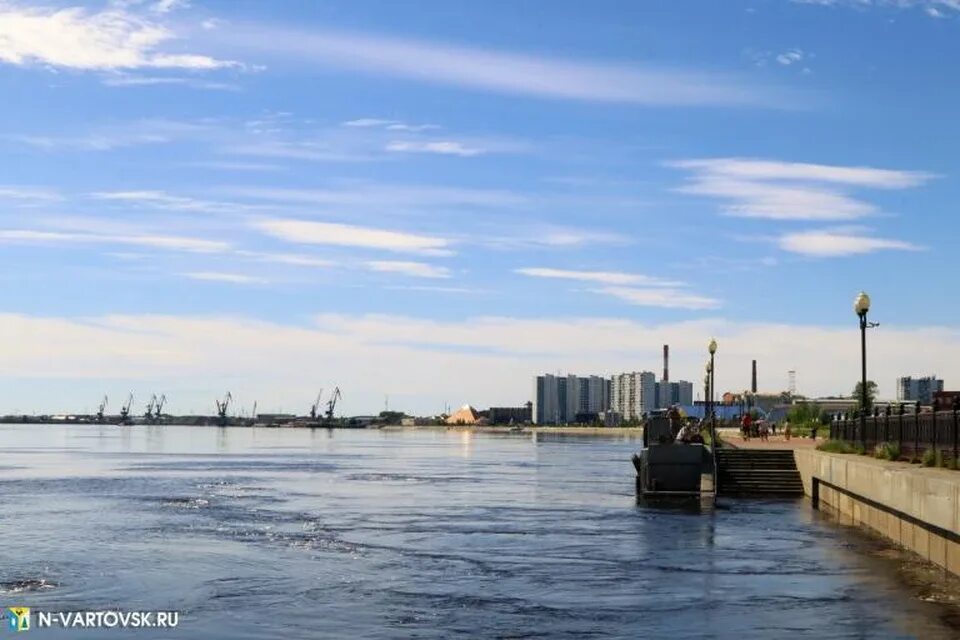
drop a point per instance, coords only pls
(733, 438)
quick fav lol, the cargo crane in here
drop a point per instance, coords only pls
(125, 410)
(103, 407)
(315, 409)
(148, 414)
(222, 407)
(158, 410)
(332, 404)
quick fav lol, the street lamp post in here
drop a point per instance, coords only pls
(708, 398)
(861, 305)
(712, 348)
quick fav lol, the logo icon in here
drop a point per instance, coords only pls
(19, 618)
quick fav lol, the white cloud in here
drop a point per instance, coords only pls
(931, 7)
(170, 243)
(761, 169)
(326, 233)
(790, 57)
(293, 259)
(483, 360)
(411, 128)
(389, 125)
(839, 242)
(503, 72)
(221, 276)
(443, 147)
(660, 297)
(368, 122)
(605, 277)
(75, 38)
(141, 132)
(386, 195)
(166, 6)
(163, 200)
(415, 269)
(128, 80)
(778, 190)
(29, 194)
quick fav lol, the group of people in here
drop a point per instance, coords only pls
(751, 428)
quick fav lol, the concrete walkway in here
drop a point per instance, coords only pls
(734, 438)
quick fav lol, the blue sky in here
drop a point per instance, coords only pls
(435, 202)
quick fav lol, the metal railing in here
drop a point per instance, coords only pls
(913, 430)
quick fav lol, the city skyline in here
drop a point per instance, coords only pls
(435, 204)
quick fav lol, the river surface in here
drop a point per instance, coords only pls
(285, 533)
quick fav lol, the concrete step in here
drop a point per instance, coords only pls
(758, 472)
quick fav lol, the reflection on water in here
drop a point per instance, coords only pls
(263, 533)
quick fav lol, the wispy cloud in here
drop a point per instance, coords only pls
(292, 259)
(325, 233)
(74, 38)
(389, 125)
(503, 72)
(163, 200)
(415, 269)
(761, 169)
(379, 195)
(34, 195)
(789, 57)
(605, 277)
(933, 8)
(141, 132)
(442, 147)
(171, 243)
(128, 80)
(663, 298)
(829, 243)
(788, 190)
(221, 276)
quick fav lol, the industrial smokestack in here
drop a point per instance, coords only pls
(753, 383)
(666, 363)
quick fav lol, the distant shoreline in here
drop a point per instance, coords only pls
(526, 430)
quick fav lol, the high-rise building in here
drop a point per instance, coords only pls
(910, 389)
(633, 394)
(671, 393)
(559, 399)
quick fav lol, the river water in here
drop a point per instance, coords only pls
(285, 533)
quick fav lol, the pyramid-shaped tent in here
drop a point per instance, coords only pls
(464, 415)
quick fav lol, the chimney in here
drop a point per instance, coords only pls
(753, 383)
(666, 363)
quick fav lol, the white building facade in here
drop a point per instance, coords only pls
(633, 394)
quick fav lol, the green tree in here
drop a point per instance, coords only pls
(871, 394)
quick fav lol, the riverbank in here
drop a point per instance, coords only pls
(917, 508)
(635, 432)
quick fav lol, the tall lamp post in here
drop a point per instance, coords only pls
(708, 398)
(861, 305)
(712, 348)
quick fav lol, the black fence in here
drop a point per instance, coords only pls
(914, 431)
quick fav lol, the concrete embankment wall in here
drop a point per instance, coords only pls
(916, 507)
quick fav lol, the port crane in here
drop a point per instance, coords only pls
(158, 410)
(222, 409)
(315, 408)
(103, 407)
(332, 403)
(125, 410)
(148, 414)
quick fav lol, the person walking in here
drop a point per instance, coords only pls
(786, 429)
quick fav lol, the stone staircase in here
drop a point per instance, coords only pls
(757, 472)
